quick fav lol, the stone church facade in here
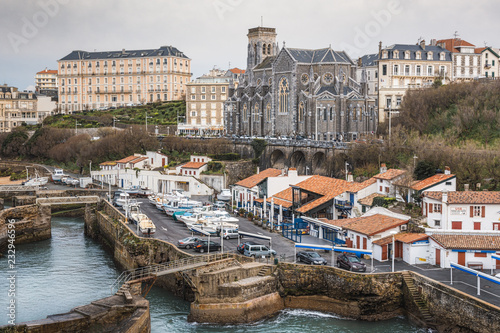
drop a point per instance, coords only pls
(290, 92)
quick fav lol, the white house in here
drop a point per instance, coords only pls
(413, 248)
(247, 190)
(192, 169)
(438, 182)
(386, 180)
(468, 248)
(464, 210)
(275, 184)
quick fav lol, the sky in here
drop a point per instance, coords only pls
(34, 34)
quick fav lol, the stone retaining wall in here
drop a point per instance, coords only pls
(455, 311)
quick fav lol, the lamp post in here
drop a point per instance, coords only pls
(393, 252)
(76, 126)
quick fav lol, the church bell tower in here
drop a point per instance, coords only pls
(261, 44)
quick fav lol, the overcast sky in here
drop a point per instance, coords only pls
(36, 33)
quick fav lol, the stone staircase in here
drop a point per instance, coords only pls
(266, 270)
(419, 302)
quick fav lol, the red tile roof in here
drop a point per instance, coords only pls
(404, 237)
(108, 163)
(451, 44)
(277, 202)
(328, 187)
(369, 225)
(467, 197)
(431, 181)
(464, 241)
(48, 71)
(368, 201)
(193, 165)
(140, 159)
(128, 159)
(355, 187)
(390, 174)
(258, 178)
(237, 71)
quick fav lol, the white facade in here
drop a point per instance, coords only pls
(45, 106)
(281, 183)
(467, 216)
(490, 63)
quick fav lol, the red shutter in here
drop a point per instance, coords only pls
(430, 208)
(456, 225)
(471, 211)
(483, 211)
(477, 225)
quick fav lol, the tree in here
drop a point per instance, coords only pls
(425, 169)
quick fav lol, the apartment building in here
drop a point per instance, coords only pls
(367, 73)
(466, 61)
(90, 80)
(16, 107)
(205, 104)
(405, 66)
(46, 80)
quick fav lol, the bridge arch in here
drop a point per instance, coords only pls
(319, 164)
(298, 161)
(278, 159)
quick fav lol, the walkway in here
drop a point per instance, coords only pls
(68, 200)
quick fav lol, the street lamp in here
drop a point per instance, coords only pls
(393, 233)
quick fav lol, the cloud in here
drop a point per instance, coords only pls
(213, 32)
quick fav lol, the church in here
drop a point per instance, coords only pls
(291, 92)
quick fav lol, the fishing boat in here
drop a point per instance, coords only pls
(147, 227)
(58, 174)
(181, 205)
(224, 195)
(121, 198)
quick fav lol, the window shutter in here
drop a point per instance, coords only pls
(430, 208)
(471, 211)
(483, 211)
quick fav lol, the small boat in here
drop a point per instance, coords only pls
(121, 198)
(58, 174)
(224, 195)
(181, 205)
(147, 227)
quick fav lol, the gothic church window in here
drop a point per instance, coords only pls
(268, 112)
(304, 79)
(244, 112)
(328, 78)
(301, 111)
(283, 93)
(256, 113)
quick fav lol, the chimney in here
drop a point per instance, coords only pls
(379, 47)
(447, 170)
(360, 62)
(445, 196)
(258, 170)
(466, 187)
(292, 172)
(383, 168)
(349, 177)
(433, 42)
(422, 44)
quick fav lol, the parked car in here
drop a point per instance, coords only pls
(230, 233)
(187, 242)
(258, 251)
(311, 257)
(203, 246)
(350, 262)
(241, 248)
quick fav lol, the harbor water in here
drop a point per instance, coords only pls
(70, 269)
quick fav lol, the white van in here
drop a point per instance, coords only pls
(230, 233)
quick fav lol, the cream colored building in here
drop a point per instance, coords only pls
(466, 61)
(91, 80)
(405, 66)
(46, 80)
(16, 107)
(489, 62)
(205, 104)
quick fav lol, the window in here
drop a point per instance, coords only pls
(283, 95)
(213, 97)
(223, 89)
(213, 90)
(268, 112)
(398, 100)
(429, 70)
(437, 208)
(203, 90)
(387, 190)
(496, 226)
(193, 90)
(301, 111)
(384, 69)
(407, 69)
(193, 97)
(437, 223)
(480, 255)
(476, 210)
(419, 70)
(203, 97)
(388, 102)
(477, 225)
(395, 70)
(456, 225)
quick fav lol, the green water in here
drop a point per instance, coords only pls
(69, 270)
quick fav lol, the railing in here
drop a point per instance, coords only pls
(13, 188)
(170, 267)
(67, 200)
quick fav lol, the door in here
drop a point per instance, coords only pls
(399, 250)
(384, 252)
(348, 241)
(497, 262)
(364, 243)
(358, 242)
(438, 257)
(461, 258)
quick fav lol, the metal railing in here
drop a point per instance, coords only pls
(20, 188)
(68, 200)
(167, 268)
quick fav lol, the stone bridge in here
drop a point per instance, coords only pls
(306, 159)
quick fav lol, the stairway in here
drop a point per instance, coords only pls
(417, 299)
(266, 270)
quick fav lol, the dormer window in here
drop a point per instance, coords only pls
(407, 55)
(418, 55)
(442, 56)
(396, 54)
(429, 55)
(384, 55)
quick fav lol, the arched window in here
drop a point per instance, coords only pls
(269, 49)
(283, 93)
(301, 111)
(268, 112)
(256, 112)
(244, 112)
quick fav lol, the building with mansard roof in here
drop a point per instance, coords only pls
(289, 92)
